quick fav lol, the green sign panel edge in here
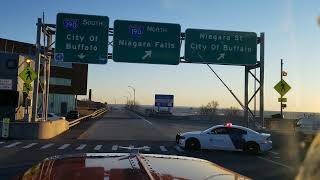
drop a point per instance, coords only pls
(219, 55)
(149, 54)
(92, 58)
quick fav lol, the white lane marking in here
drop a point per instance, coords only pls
(98, 147)
(12, 145)
(178, 149)
(163, 148)
(275, 153)
(1, 142)
(81, 147)
(64, 146)
(274, 162)
(143, 119)
(47, 146)
(29, 146)
(114, 147)
(131, 146)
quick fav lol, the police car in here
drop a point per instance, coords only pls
(226, 137)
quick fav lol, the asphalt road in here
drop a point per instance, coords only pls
(123, 128)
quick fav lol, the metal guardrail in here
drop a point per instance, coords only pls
(93, 115)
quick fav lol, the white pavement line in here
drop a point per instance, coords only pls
(47, 146)
(144, 119)
(1, 142)
(29, 146)
(274, 162)
(131, 146)
(98, 147)
(81, 147)
(64, 146)
(163, 148)
(114, 147)
(275, 153)
(178, 149)
(12, 145)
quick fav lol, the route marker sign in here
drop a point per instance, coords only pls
(82, 38)
(28, 75)
(146, 42)
(282, 87)
(220, 47)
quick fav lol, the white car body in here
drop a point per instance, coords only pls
(211, 139)
(52, 117)
(308, 125)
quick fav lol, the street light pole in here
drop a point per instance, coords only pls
(134, 95)
(127, 99)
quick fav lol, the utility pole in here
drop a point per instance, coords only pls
(281, 78)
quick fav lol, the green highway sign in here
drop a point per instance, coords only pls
(82, 38)
(220, 47)
(146, 42)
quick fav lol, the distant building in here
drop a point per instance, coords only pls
(67, 79)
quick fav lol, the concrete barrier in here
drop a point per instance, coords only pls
(43, 129)
(37, 130)
(50, 129)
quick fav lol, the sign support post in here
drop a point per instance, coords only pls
(261, 110)
(246, 89)
(37, 69)
(281, 77)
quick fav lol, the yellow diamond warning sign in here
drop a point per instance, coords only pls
(282, 87)
(28, 75)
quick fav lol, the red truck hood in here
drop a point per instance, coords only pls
(117, 166)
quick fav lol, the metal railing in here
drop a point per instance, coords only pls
(93, 115)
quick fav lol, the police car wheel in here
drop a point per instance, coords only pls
(193, 144)
(252, 148)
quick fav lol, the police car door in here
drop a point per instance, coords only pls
(218, 138)
(236, 138)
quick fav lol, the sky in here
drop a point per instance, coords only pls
(291, 33)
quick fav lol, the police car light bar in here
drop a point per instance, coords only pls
(228, 125)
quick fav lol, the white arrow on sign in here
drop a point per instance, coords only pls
(221, 56)
(81, 56)
(148, 54)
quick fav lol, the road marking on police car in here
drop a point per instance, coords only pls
(163, 148)
(13, 145)
(47, 146)
(29, 146)
(81, 147)
(64, 146)
(178, 149)
(98, 147)
(114, 147)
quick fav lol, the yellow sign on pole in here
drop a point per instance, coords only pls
(5, 127)
(27, 87)
(282, 99)
(282, 87)
(28, 75)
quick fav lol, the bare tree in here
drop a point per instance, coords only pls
(210, 109)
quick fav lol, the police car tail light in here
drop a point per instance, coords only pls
(228, 125)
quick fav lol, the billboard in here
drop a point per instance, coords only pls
(163, 100)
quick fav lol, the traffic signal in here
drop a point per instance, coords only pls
(284, 73)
